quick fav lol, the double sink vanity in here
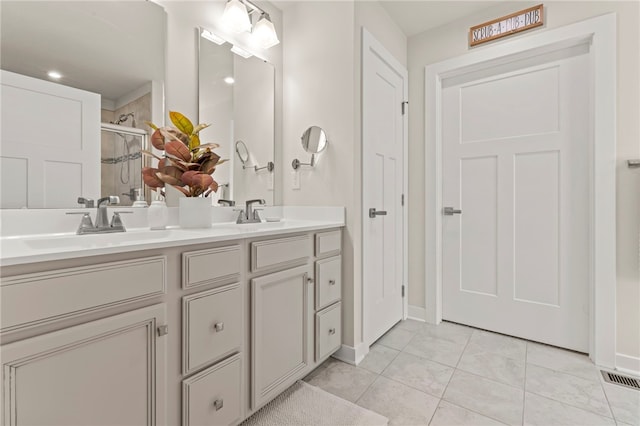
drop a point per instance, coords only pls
(178, 326)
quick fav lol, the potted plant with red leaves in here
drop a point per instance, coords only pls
(187, 166)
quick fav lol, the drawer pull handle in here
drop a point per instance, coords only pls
(332, 282)
(218, 404)
(332, 331)
(218, 326)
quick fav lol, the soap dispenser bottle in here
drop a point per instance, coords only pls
(158, 214)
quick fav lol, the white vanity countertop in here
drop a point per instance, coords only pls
(23, 249)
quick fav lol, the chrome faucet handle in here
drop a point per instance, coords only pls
(256, 216)
(86, 225)
(116, 221)
(241, 217)
(111, 199)
(229, 203)
(249, 216)
(87, 202)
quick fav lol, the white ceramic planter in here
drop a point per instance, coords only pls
(195, 212)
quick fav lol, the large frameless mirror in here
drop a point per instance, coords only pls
(114, 51)
(237, 96)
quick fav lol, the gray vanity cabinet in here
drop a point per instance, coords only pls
(279, 332)
(201, 334)
(105, 372)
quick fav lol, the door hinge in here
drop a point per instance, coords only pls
(402, 290)
(403, 106)
(163, 330)
(402, 200)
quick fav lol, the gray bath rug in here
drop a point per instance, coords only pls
(303, 404)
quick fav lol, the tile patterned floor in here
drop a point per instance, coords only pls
(419, 374)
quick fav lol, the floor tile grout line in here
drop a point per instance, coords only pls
(567, 372)
(571, 406)
(413, 387)
(473, 411)
(524, 384)
(606, 397)
(612, 416)
(575, 406)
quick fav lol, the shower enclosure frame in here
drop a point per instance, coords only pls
(132, 131)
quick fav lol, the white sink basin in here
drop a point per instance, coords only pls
(249, 227)
(94, 240)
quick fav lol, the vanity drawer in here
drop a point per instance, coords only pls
(281, 252)
(211, 266)
(328, 281)
(328, 243)
(213, 396)
(328, 331)
(33, 299)
(211, 326)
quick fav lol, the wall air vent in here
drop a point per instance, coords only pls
(619, 379)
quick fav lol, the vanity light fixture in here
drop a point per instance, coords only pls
(236, 16)
(229, 80)
(212, 37)
(241, 52)
(264, 32)
(55, 75)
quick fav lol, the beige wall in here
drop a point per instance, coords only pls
(318, 90)
(450, 41)
(322, 87)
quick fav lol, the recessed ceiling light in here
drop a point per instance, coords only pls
(229, 80)
(54, 74)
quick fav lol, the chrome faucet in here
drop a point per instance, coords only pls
(249, 214)
(102, 222)
(101, 216)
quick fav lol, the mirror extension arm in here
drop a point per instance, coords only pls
(297, 163)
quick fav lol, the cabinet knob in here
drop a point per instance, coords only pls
(218, 404)
(218, 326)
(332, 331)
(310, 280)
(332, 282)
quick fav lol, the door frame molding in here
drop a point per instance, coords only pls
(600, 32)
(370, 43)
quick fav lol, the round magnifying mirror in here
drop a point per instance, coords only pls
(314, 140)
(242, 151)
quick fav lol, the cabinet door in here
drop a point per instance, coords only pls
(279, 332)
(106, 372)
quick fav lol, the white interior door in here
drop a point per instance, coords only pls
(383, 93)
(50, 143)
(516, 162)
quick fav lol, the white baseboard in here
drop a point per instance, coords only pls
(417, 313)
(351, 355)
(628, 364)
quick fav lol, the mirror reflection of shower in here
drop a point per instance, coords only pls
(122, 160)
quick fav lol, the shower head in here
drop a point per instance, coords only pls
(125, 117)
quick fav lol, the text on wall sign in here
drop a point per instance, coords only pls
(507, 25)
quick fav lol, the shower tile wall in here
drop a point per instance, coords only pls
(141, 108)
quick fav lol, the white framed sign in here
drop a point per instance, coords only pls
(506, 25)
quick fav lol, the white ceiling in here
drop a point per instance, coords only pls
(417, 16)
(111, 48)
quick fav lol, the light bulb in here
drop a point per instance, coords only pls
(235, 16)
(264, 33)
